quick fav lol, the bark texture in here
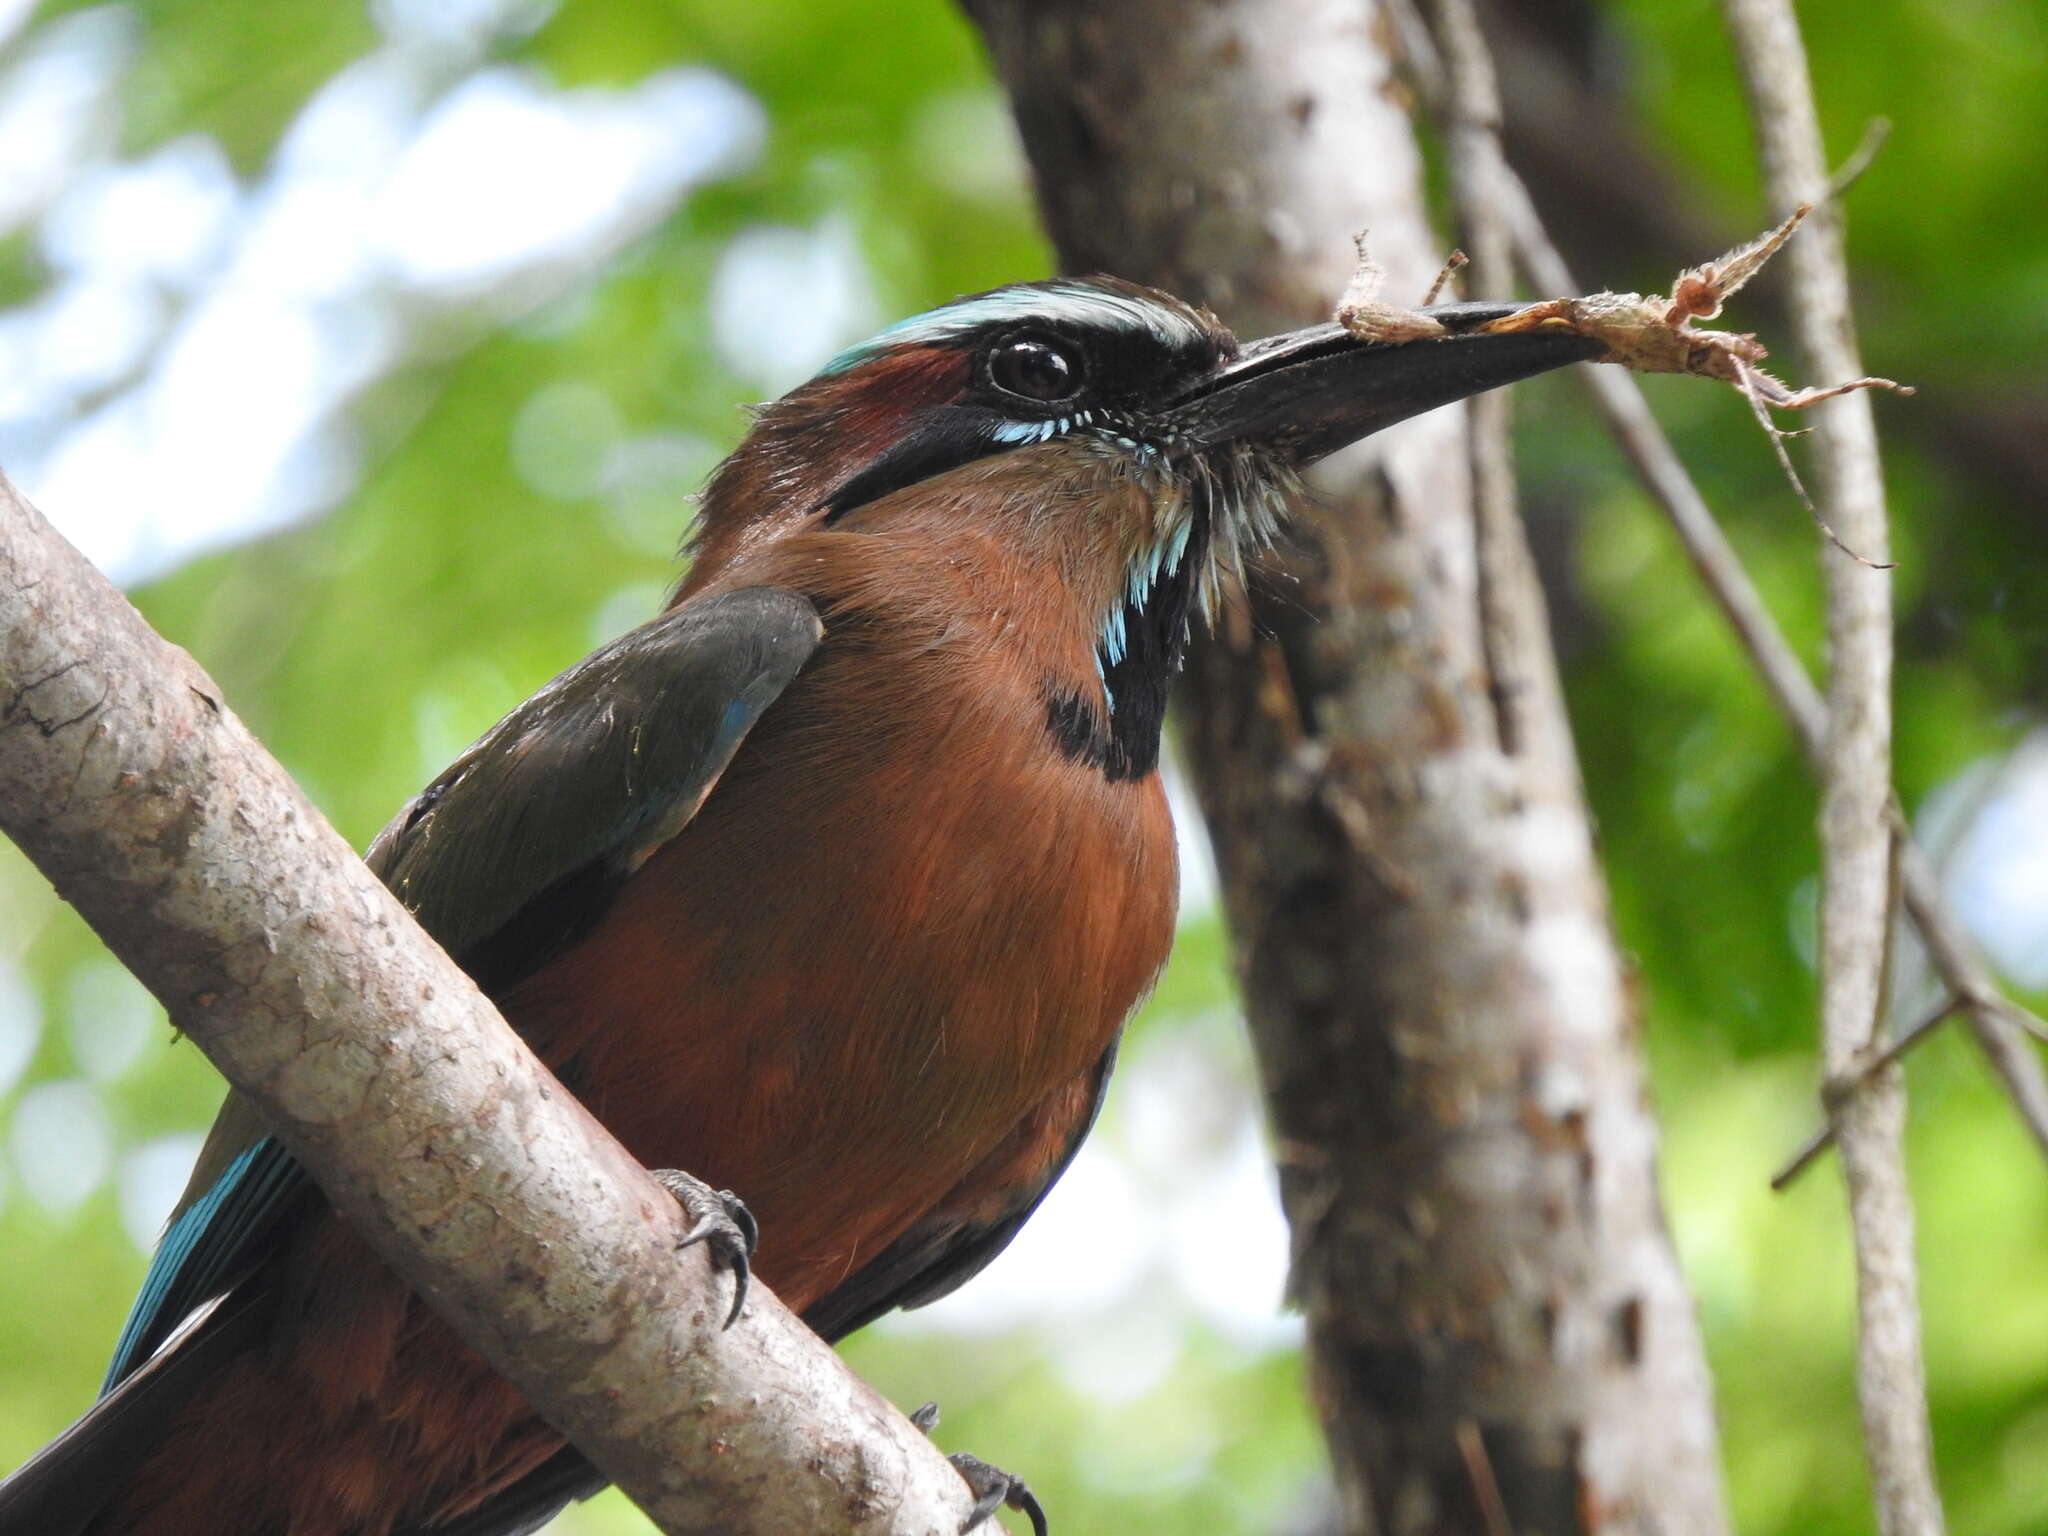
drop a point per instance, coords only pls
(1500, 1337)
(151, 809)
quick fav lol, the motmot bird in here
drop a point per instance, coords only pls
(833, 884)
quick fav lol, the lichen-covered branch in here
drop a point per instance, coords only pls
(133, 787)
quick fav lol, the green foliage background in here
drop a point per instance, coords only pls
(367, 646)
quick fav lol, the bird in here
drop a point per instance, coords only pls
(833, 884)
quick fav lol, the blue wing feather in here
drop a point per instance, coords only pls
(204, 1250)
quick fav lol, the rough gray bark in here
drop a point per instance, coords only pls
(153, 811)
(1500, 1338)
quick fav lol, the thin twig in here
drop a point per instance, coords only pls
(1989, 1003)
(1875, 133)
(1493, 1509)
(1810, 1151)
(1868, 1108)
(1642, 441)
(1502, 548)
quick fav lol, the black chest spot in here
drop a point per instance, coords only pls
(1113, 748)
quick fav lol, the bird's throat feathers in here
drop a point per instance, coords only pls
(1139, 644)
(1210, 513)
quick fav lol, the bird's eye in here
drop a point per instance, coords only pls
(1035, 368)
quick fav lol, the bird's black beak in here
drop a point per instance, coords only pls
(1308, 393)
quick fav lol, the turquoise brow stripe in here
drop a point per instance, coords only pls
(1078, 304)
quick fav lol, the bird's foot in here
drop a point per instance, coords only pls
(992, 1487)
(720, 1220)
(995, 1489)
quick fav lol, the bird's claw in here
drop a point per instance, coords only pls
(720, 1220)
(995, 1489)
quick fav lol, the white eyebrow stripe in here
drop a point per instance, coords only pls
(1073, 303)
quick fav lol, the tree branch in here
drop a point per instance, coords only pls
(1630, 204)
(1506, 566)
(427, 1122)
(1999, 1024)
(1868, 1108)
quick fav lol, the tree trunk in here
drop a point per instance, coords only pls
(1500, 1337)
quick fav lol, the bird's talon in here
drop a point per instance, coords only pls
(926, 1418)
(993, 1489)
(736, 1208)
(720, 1220)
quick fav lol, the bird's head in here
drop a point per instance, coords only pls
(1148, 447)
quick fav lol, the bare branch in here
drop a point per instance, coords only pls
(1512, 632)
(1994, 1020)
(1893, 1053)
(1856, 823)
(1876, 133)
(153, 811)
